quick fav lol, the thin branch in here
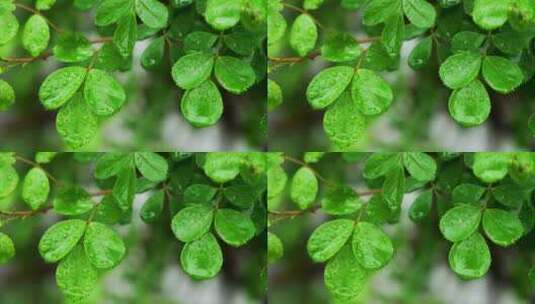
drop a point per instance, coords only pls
(25, 213)
(34, 11)
(34, 164)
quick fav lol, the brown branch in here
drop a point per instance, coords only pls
(25, 213)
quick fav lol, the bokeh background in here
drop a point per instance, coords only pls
(150, 271)
(418, 118)
(418, 273)
(151, 118)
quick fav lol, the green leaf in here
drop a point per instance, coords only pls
(509, 195)
(420, 13)
(124, 188)
(60, 239)
(344, 276)
(501, 74)
(491, 167)
(112, 163)
(421, 206)
(467, 41)
(7, 95)
(393, 35)
(380, 10)
(35, 188)
(490, 14)
(76, 124)
(103, 246)
(35, 35)
(9, 26)
(7, 158)
(7, 248)
(222, 167)
(379, 164)
(241, 196)
(470, 106)
(235, 75)
(460, 69)
(202, 106)
(340, 200)
(328, 85)
(199, 42)
(199, 194)
(304, 187)
(151, 165)
(328, 238)
(192, 222)
(202, 259)
(9, 179)
(312, 4)
(303, 34)
(373, 249)
(60, 86)
(276, 27)
(233, 227)
(109, 59)
(275, 248)
(72, 200)
(394, 188)
(44, 5)
(153, 54)
(276, 181)
(460, 222)
(153, 207)
(192, 70)
(340, 47)
(371, 93)
(274, 95)
(125, 34)
(467, 194)
(241, 41)
(152, 12)
(110, 11)
(45, 157)
(223, 14)
(75, 275)
(72, 47)
(421, 53)
(470, 258)
(502, 227)
(420, 165)
(103, 93)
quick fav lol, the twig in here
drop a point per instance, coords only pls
(52, 25)
(34, 164)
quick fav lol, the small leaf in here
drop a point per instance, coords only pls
(275, 248)
(72, 47)
(125, 34)
(304, 188)
(491, 167)
(60, 239)
(467, 41)
(222, 167)
(110, 11)
(274, 95)
(60, 86)
(233, 227)
(192, 222)
(151, 165)
(153, 207)
(35, 188)
(35, 35)
(371, 93)
(72, 200)
(199, 42)
(460, 69)
(373, 249)
(303, 35)
(470, 106)
(76, 124)
(421, 53)
(467, 194)
(223, 14)
(9, 26)
(75, 275)
(420, 165)
(490, 14)
(276, 27)
(420, 13)
(380, 10)
(421, 206)
(340, 200)
(470, 258)
(103, 246)
(7, 248)
(344, 276)
(199, 194)
(111, 164)
(394, 188)
(124, 188)
(502, 227)
(202, 259)
(192, 70)
(328, 85)
(379, 164)
(501, 74)
(235, 75)
(9, 179)
(328, 238)
(153, 54)
(7, 95)
(44, 5)
(340, 47)
(460, 222)
(152, 12)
